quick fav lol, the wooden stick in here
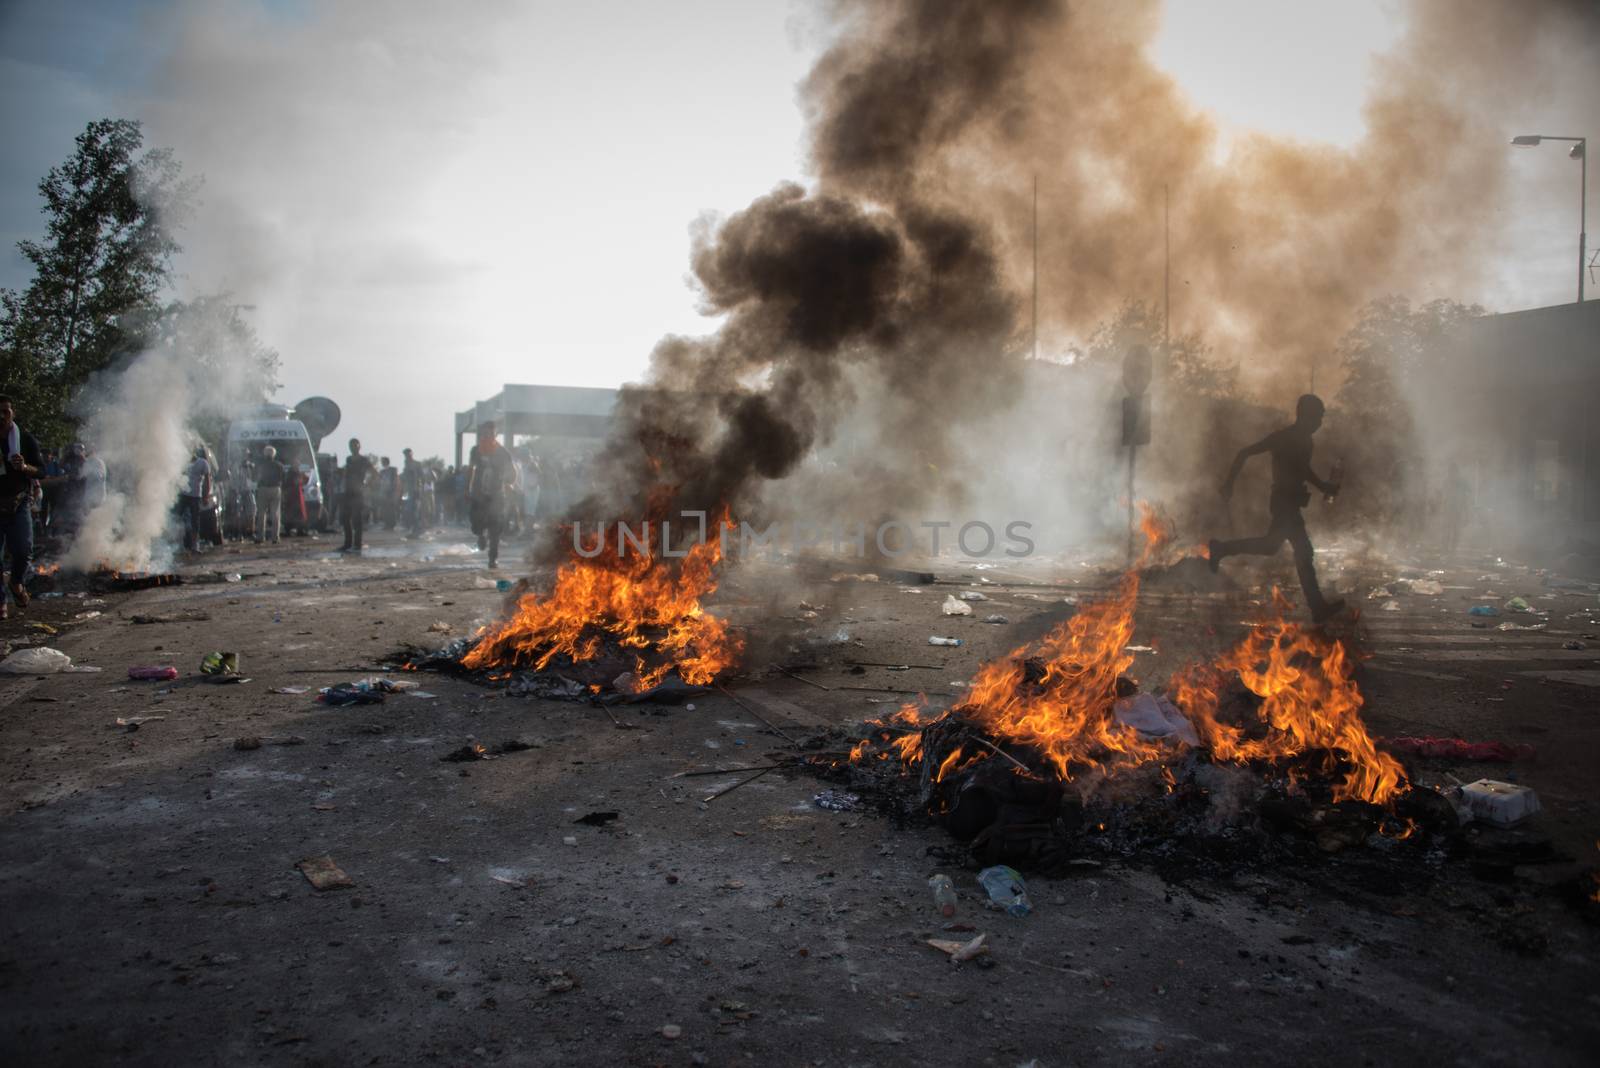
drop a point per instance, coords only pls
(621, 726)
(1003, 753)
(724, 691)
(731, 771)
(735, 786)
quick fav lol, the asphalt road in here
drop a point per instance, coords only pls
(153, 912)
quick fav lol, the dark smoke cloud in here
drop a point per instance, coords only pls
(890, 292)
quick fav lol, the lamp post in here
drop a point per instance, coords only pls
(1577, 152)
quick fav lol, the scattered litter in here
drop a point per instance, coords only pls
(960, 951)
(836, 801)
(1138, 648)
(44, 627)
(133, 723)
(1425, 587)
(84, 617)
(468, 752)
(936, 640)
(180, 617)
(1501, 804)
(421, 693)
(323, 874)
(1518, 604)
(846, 576)
(220, 664)
(153, 673)
(971, 595)
(520, 884)
(1391, 606)
(671, 1031)
(251, 741)
(954, 606)
(40, 660)
(346, 693)
(1521, 626)
(841, 636)
(944, 895)
(569, 840)
(996, 618)
(1573, 644)
(1006, 889)
(441, 627)
(292, 690)
(1153, 716)
(1483, 610)
(597, 819)
(1458, 748)
(1380, 593)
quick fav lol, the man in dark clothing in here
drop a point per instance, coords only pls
(22, 464)
(352, 502)
(411, 491)
(1290, 448)
(194, 498)
(488, 489)
(269, 496)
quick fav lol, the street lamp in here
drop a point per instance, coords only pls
(1578, 153)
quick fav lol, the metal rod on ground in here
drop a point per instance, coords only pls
(891, 689)
(724, 691)
(874, 663)
(735, 786)
(798, 678)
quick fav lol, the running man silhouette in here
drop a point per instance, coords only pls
(1291, 470)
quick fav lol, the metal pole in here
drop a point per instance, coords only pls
(1131, 450)
(1166, 294)
(1583, 211)
(1036, 266)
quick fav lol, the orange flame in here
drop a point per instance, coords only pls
(640, 602)
(1309, 701)
(1058, 696)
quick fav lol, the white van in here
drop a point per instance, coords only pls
(271, 425)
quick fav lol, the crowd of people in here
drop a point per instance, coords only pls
(501, 491)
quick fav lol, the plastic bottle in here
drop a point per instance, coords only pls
(944, 894)
(1006, 889)
(937, 640)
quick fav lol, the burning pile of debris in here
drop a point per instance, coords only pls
(618, 623)
(1056, 753)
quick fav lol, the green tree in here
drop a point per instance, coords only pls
(1185, 365)
(1394, 353)
(98, 272)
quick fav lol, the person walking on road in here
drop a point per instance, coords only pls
(353, 504)
(196, 490)
(23, 463)
(489, 488)
(269, 496)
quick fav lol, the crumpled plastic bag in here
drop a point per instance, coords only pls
(1153, 716)
(954, 606)
(39, 660)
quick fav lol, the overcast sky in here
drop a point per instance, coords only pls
(424, 201)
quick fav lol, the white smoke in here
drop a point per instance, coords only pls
(139, 429)
(143, 420)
